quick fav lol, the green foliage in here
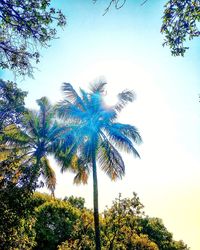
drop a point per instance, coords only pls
(38, 137)
(125, 226)
(83, 233)
(40, 221)
(55, 220)
(39, 199)
(11, 104)
(16, 222)
(13, 170)
(23, 26)
(121, 229)
(77, 202)
(158, 233)
(180, 23)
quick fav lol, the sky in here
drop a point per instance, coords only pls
(125, 47)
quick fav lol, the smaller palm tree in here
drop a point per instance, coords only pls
(38, 137)
(93, 137)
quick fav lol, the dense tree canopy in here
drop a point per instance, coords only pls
(11, 104)
(54, 224)
(180, 23)
(12, 111)
(124, 225)
(25, 25)
(39, 221)
(16, 221)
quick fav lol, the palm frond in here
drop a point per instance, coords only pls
(81, 177)
(45, 116)
(128, 131)
(110, 160)
(55, 131)
(48, 174)
(124, 98)
(86, 148)
(15, 136)
(67, 137)
(31, 121)
(121, 140)
(98, 86)
(82, 171)
(68, 111)
(71, 95)
(66, 159)
(95, 105)
(85, 97)
(44, 105)
(107, 115)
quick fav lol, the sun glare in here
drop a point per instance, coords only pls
(119, 74)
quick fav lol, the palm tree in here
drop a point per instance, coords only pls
(96, 136)
(38, 137)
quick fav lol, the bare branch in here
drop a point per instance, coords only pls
(143, 2)
(118, 4)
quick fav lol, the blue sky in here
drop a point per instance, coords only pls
(125, 47)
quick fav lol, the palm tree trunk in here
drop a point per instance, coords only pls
(95, 204)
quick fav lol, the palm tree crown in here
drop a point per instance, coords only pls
(38, 138)
(94, 127)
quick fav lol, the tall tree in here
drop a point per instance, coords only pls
(96, 135)
(38, 138)
(23, 26)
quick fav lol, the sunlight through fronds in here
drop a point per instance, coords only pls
(94, 129)
(71, 95)
(95, 135)
(98, 86)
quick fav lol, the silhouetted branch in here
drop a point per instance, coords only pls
(118, 4)
(144, 2)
